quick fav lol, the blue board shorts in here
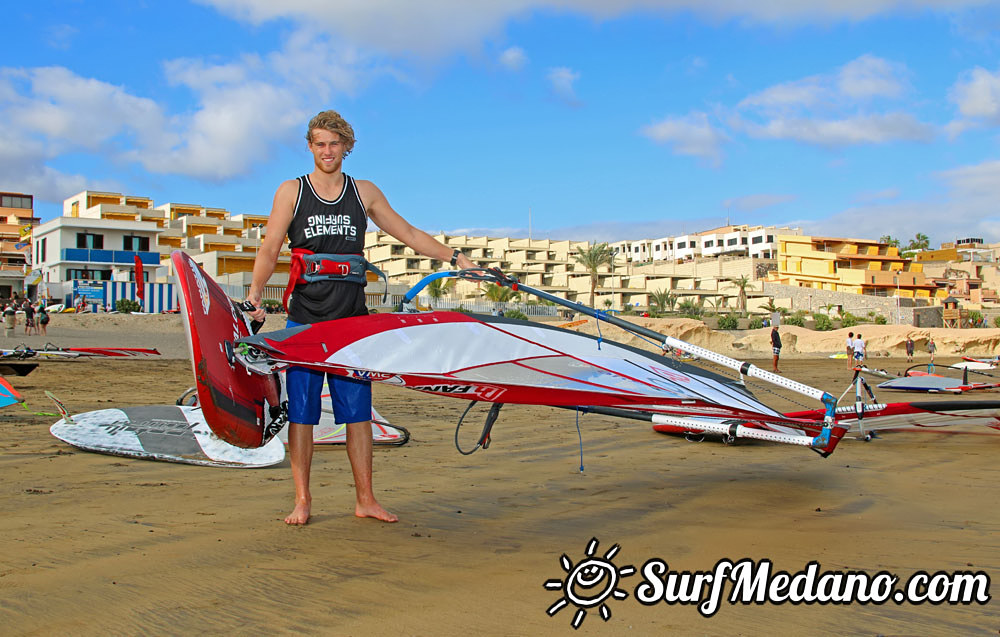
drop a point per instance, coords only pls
(352, 399)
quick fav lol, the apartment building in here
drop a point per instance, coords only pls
(17, 219)
(859, 266)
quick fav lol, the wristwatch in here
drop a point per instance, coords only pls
(454, 256)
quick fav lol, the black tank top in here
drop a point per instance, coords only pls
(328, 227)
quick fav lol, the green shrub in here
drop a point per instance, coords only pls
(728, 322)
(127, 305)
(880, 320)
(823, 322)
(848, 320)
(756, 323)
(515, 314)
(271, 305)
(794, 319)
(996, 321)
(975, 318)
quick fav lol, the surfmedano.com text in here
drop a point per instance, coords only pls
(750, 582)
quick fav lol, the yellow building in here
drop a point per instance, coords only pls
(858, 266)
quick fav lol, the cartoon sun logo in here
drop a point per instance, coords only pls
(588, 583)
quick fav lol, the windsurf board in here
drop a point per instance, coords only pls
(328, 432)
(160, 432)
(241, 407)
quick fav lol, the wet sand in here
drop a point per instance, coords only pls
(94, 544)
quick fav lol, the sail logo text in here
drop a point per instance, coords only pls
(482, 392)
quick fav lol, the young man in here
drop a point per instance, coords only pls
(859, 350)
(326, 212)
(775, 347)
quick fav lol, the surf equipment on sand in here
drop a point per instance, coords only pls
(243, 408)
(23, 352)
(931, 378)
(502, 360)
(158, 432)
(9, 395)
(327, 431)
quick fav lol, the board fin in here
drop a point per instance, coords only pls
(61, 407)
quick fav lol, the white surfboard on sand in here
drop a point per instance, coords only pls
(160, 432)
(328, 432)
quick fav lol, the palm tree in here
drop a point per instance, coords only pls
(828, 308)
(690, 307)
(887, 239)
(742, 282)
(919, 242)
(663, 299)
(592, 258)
(500, 294)
(440, 287)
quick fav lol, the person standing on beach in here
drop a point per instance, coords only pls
(931, 348)
(775, 347)
(909, 349)
(43, 320)
(9, 319)
(29, 317)
(859, 349)
(326, 213)
(850, 350)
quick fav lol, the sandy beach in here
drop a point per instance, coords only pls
(94, 544)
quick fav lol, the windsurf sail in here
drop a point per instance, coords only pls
(935, 379)
(503, 360)
(9, 395)
(22, 352)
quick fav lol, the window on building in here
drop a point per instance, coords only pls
(709, 243)
(137, 244)
(13, 201)
(85, 274)
(743, 240)
(756, 240)
(731, 242)
(89, 241)
(681, 245)
(42, 251)
(770, 238)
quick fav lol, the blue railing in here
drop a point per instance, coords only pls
(109, 256)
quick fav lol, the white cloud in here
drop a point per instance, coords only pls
(977, 94)
(861, 129)
(241, 110)
(869, 76)
(691, 135)
(562, 80)
(968, 203)
(436, 27)
(513, 58)
(804, 93)
(834, 109)
(749, 203)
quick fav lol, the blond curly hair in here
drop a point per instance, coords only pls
(333, 122)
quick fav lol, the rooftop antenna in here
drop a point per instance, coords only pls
(529, 225)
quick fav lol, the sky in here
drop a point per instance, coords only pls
(563, 119)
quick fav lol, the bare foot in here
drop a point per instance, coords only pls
(299, 515)
(376, 511)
